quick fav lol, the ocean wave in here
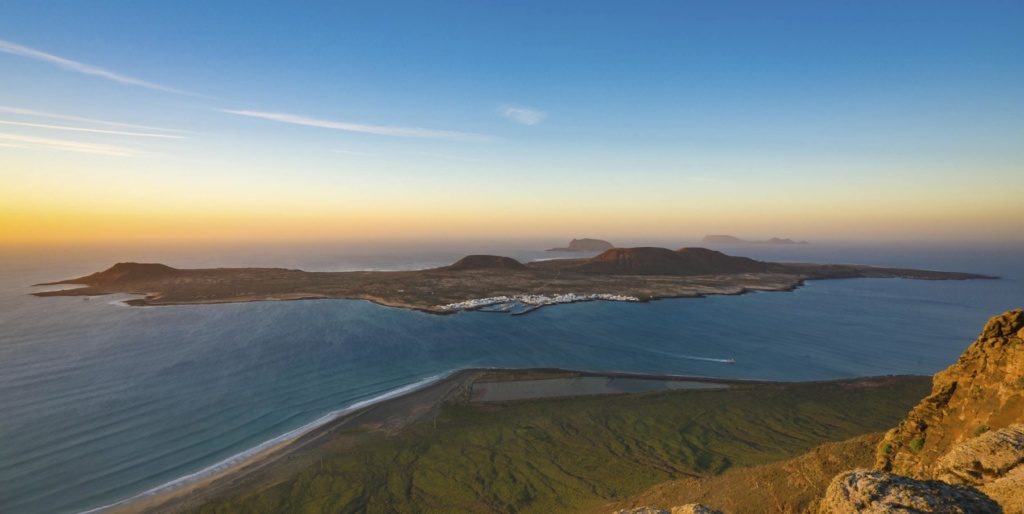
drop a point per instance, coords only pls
(282, 439)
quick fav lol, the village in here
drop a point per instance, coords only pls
(522, 303)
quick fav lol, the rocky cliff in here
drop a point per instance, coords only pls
(960, 448)
(982, 391)
(866, 491)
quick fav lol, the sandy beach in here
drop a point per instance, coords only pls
(387, 414)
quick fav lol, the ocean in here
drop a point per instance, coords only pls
(99, 401)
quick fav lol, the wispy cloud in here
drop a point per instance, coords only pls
(90, 130)
(20, 141)
(87, 69)
(522, 115)
(80, 119)
(382, 130)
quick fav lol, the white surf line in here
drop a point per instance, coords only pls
(287, 437)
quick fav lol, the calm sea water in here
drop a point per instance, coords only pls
(99, 401)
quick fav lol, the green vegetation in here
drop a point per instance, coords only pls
(788, 486)
(916, 444)
(576, 454)
(980, 430)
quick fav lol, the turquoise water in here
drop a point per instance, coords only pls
(101, 401)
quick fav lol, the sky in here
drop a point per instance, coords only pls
(280, 121)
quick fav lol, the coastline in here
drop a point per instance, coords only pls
(151, 299)
(387, 413)
(483, 282)
(260, 454)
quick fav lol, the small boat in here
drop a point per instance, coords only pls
(729, 361)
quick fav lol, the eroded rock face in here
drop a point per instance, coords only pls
(983, 390)
(993, 462)
(983, 459)
(642, 510)
(876, 492)
(694, 508)
(1008, 490)
(689, 508)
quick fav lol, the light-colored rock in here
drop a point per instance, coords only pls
(983, 459)
(993, 462)
(878, 492)
(694, 508)
(1008, 490)
(689, 508)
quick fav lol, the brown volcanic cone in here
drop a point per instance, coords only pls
(633, 261)
(125, 272)
(702, 260)
(472, 262)
(662, 261)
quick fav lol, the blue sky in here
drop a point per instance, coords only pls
(525, 103)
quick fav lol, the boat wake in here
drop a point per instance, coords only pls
(698, 358)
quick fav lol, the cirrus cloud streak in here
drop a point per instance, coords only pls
(21, 141)
(90, 130)
(86, 69)
(66, 117)
(381, 130)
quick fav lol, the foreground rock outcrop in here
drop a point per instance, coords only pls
(993, 462)
(690, 508)
(961, 449)
(983, 390)
(879, 492)
(968, 430)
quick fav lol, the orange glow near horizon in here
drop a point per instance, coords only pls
(53, 198)
(500, 218)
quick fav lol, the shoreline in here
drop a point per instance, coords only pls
(482, 282)
(148, 299)
(389, 411)
(239, 461)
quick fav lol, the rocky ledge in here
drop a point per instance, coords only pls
(878, 492)
(962, 448)
(690, 508)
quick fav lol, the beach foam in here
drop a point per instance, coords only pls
(280, 440)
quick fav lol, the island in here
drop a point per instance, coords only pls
(484, 282)
(584, 245)
(724, 239)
